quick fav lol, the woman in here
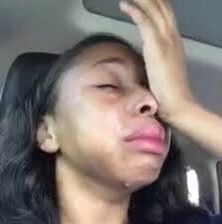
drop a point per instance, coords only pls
(82, 143)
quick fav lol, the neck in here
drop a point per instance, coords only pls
(83, 201)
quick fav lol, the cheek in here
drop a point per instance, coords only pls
(91, 142)
(99, 116)
(90, 127)
(100, 126)
(88, 116)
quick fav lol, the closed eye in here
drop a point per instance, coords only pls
(107, 86)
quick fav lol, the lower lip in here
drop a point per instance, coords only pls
(151, 146)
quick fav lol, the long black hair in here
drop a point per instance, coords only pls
(27, 174)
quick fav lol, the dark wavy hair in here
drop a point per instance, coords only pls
(27, 174)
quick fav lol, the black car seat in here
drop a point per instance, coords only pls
(22, 74)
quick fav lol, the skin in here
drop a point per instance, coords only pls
(96, 171)
(165, 64)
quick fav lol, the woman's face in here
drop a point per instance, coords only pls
(106, 119)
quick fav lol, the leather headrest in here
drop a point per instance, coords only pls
(23, 73)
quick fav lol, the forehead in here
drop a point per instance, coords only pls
(109, 50)
(107, 53)
(80, 74)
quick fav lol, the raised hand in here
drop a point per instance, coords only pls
(163, 54)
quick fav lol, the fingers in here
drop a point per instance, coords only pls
(135, 12)
(153, 10)
(139, 17)
(159, 13)
(168, 12)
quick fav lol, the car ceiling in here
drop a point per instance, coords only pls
(55, 25)
(196, 19)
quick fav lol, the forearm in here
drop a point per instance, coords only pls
(202, 126)
(166, 71)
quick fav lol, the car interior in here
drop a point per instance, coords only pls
(52, 26)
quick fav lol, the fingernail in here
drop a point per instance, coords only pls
(123, 4)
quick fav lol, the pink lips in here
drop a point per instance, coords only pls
(149, 140)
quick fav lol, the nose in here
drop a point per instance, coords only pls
(144, 104)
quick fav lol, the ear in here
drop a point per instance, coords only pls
(46, 135)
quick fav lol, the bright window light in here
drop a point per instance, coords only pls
(193, 186)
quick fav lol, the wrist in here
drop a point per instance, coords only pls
(185, 111)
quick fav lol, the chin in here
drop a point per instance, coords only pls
(140, 182)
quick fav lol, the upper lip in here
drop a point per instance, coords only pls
(151, 131)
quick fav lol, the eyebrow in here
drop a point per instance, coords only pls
(111, 60)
